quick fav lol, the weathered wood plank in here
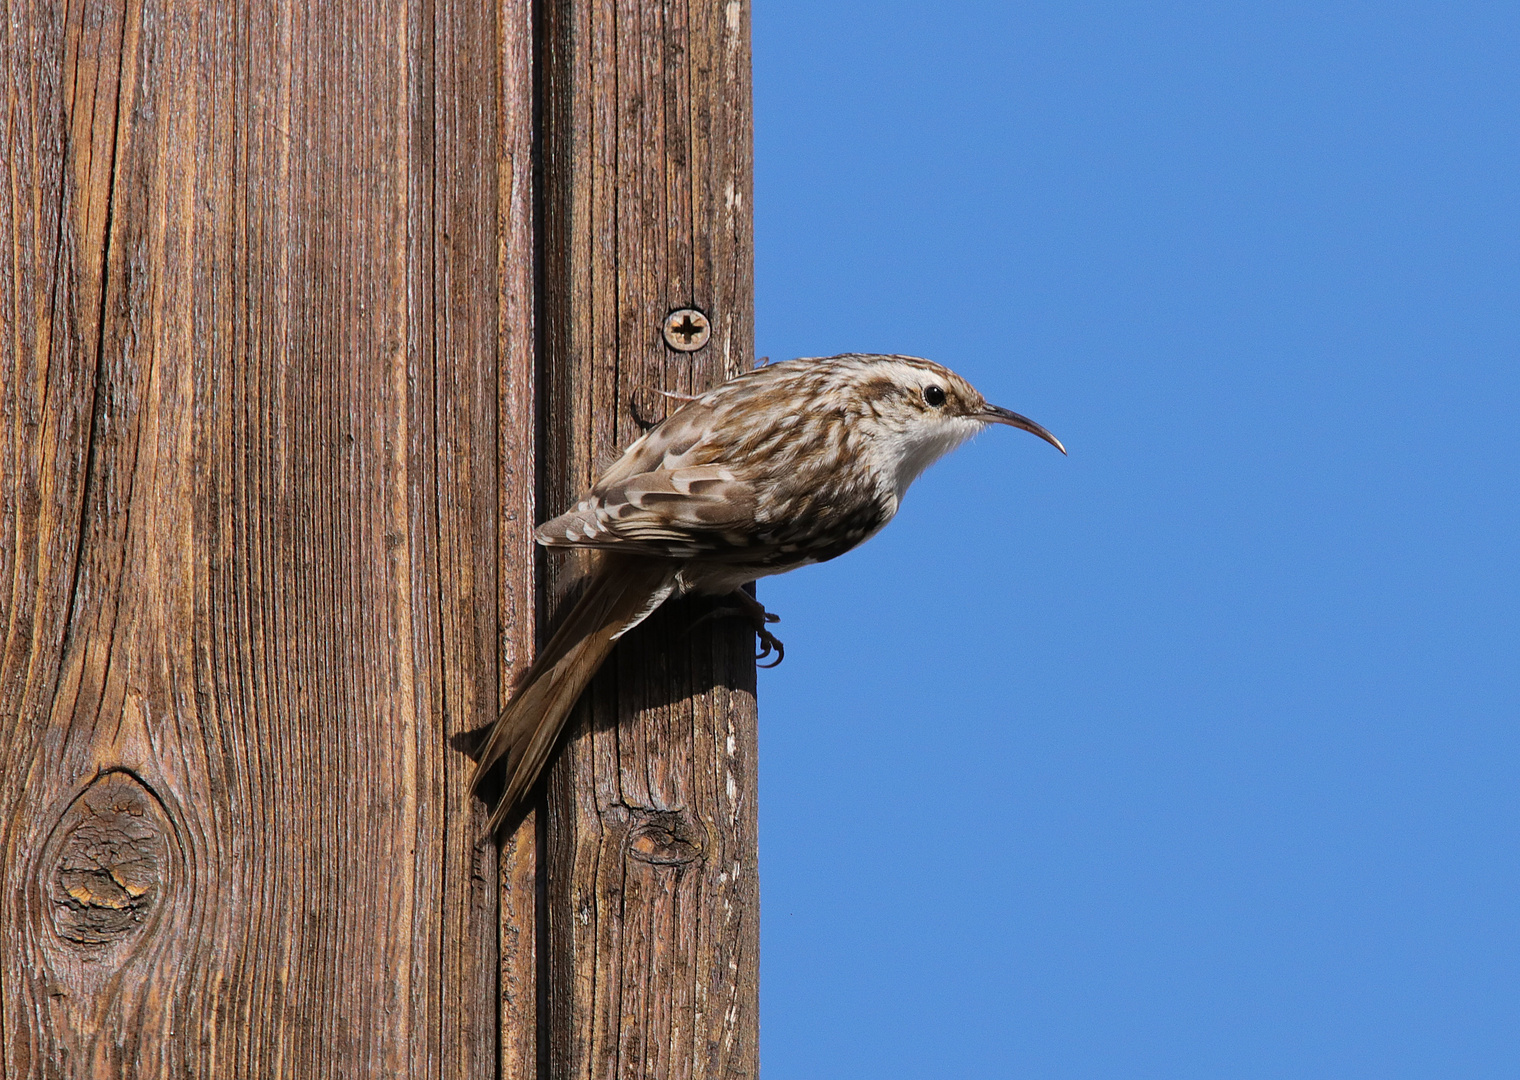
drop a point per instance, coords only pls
(650, 830)
(264, 312)
(475, 73)
(517, 409)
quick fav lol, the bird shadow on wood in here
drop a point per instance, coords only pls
(685, 650)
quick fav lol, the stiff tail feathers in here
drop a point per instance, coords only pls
(621, 593)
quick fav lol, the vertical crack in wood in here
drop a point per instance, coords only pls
(97, 405)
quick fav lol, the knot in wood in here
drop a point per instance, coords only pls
(110, 856)
(664, 838)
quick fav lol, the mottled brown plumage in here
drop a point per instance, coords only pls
(785, 465)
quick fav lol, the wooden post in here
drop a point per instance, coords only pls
(650, 836)
(265, 314)
(270, 416)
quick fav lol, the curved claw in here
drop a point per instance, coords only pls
(769, 643)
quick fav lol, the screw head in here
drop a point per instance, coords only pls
(686, 329)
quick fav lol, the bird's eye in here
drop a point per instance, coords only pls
(934, 396)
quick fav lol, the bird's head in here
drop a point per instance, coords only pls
(916, 411)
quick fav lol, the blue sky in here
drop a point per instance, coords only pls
(1194, 754)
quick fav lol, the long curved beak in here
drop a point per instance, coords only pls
(994, 414)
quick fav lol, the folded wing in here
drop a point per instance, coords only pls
(666, 496)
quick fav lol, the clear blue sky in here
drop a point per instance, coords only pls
(1195, 754)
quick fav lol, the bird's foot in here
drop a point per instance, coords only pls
(769, 643)
(759, 619)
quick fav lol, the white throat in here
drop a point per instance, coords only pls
(907, 454)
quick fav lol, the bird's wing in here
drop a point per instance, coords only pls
(670, 494)
(677, 513)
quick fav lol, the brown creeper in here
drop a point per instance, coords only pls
(784, 465)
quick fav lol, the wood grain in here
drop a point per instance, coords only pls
(652, 897)
(265, 442)
(519, 884)
(269, 429)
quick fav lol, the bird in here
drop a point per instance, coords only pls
(782, 466)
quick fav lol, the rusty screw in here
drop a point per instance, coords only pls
(687, 329)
